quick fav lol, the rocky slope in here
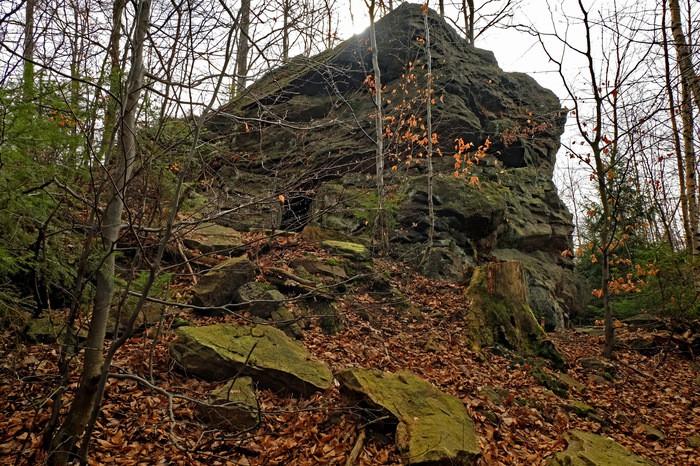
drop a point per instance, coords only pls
(302, 157)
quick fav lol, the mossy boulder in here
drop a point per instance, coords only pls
(551, 381)
(219, 285)
(580, 408)
(232, 406)
(285, 320)
(599, 366)
(51, 327)
(495, 395)
(587, 449)
(262, 299)
(571, 384)
(355, 251)
(210, 238)
(271, 358)
(433, 427)
(44, 329)
(331, 269)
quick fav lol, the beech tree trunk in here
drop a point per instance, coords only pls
(468, 11)
(684, 53)
(115, 78)
(28, 52)
(689, 237)
(690, 92)
(243, 48)
(380, 221)
(285, 30)
(78, 415)
(429, 125)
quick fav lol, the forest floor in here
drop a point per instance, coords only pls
(524, 424)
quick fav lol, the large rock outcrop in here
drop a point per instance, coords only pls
(302, 152)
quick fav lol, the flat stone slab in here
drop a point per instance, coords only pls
(354, 251)
(587, 449)
(210, 237)
(433, 428)
(266, 354)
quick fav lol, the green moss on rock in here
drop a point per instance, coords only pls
(433, 427)
(587, 449)
(218, 352)
(347, 249)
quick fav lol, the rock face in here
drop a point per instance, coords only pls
(271, 358)
(433, 427)
(322, 159)
(586, 449)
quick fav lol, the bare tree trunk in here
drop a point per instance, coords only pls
(690, 163)
(429, 125)
(115, 78)
(28, 52)
(78, 415)
(285, 30)
(380, 221)
(689, 236)
(684, 53)
(601, 173)
(468, 11)
(329, 17)
(243, 48)
(689, 89)
(441, 7)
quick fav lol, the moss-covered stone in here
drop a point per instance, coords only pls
(598, 366)
(580, 408)
(587, 449)
(51, 327)
(331, 269)
(495, 395)
(271, 358)
(550, 381)
(44, 329)
(354, 251)
(210, 237)
(433, 427)
(571, 384)
(232, 406)
(219, 285)
(287, 322)
(262, 299)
